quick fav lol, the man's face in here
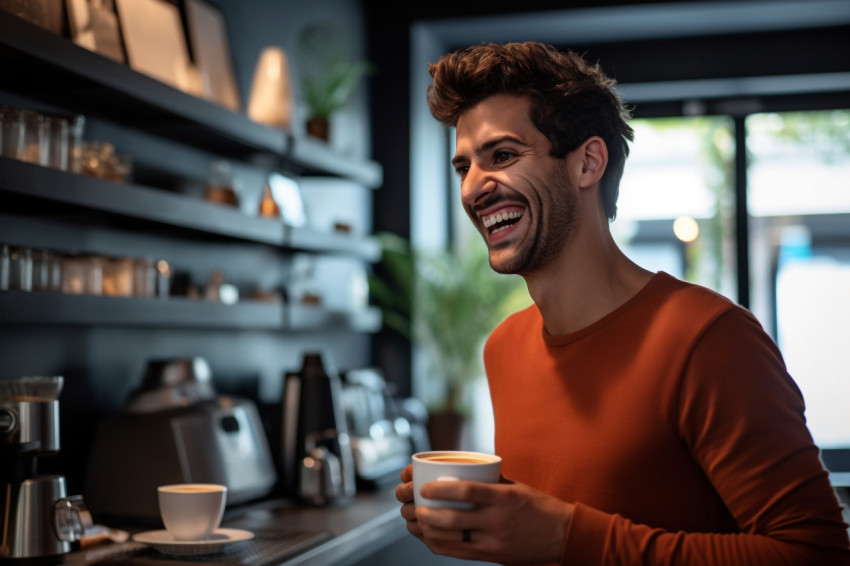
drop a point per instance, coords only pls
(516, 194)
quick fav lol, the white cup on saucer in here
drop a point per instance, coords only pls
(191, 511)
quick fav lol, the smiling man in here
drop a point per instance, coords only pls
(640, 419)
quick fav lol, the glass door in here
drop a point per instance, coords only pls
(676, 207)
(799, 204)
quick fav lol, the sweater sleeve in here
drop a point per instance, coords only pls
(742, 418)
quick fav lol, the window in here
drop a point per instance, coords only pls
(799, 202)
(676, 205)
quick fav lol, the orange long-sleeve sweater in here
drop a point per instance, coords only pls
(674, 427)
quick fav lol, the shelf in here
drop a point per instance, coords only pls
(307, 317)
(305, 239)
(33, 181)
(22, 308)
(56, 309)
(309, 155)
(27, 181)
(51, 68)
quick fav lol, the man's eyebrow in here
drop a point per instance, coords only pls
(488, 145)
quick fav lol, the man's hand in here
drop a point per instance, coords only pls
(512, 523)
(404, 493)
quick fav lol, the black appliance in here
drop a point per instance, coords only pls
(316, 462)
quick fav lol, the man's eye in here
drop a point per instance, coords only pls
(502, 156)
(461, 170)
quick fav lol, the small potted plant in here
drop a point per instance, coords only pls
(327, 76)
(447, 303)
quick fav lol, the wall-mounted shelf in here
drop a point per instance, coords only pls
(55, 309)
(20, 307)
(25, 182)
(308, 155)
(306, 317)
(45, 66)
(306, 239)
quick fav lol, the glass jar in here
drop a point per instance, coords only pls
(163, 279)
(41, 260)
(82, 275)
(118, 277)
(56, 130)
(144, 278)
(12, 130)
(36, 138)
(5, 267)
(20, 269)
(76, 126)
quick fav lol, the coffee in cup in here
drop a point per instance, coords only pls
(191, 511)
(452, 465)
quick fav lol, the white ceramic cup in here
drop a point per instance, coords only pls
(452, 465)
(191, 511)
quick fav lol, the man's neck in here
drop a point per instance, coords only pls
(585, 283)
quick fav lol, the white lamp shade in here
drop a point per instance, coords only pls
(271, 91)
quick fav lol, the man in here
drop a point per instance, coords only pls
(640, 419)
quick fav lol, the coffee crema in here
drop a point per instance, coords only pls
(192, 488)
(457, 459)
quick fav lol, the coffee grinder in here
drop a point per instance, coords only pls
(37, 518)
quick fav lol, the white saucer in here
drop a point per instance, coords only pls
(164, 541)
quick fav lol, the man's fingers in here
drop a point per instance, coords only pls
(408, 511)
(473, 492)
(404, 492)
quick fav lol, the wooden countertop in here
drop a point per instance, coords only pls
(286, 534)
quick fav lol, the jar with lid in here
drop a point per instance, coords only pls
(117, 276)
(82, 275)
(36, 138)
(20, 269)
(5, 267)
(144, 277)
(12, 130)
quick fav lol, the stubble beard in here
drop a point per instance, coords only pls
(552, 225)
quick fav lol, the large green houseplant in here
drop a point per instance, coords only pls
(327, 76)
(446, 302)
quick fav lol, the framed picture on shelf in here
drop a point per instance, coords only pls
(210, 47)
(94, 25)
(287, 195)
(44, 13)
(155, 42)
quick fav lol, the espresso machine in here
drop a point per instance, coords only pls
(37, 518)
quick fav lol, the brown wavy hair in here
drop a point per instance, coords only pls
(571, 100)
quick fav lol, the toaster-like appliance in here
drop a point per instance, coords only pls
(176, 429)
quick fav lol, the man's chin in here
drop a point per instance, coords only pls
(504, 261)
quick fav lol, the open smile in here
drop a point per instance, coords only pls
(501, 219)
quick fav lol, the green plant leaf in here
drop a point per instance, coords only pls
(327, 77)
(449, 300)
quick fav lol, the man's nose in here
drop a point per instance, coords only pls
(477, 186)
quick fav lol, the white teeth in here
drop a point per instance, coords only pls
(500, 217)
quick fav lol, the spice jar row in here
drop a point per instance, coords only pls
(27, 269)
(56, 140)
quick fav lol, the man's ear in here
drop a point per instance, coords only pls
(593, 159)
